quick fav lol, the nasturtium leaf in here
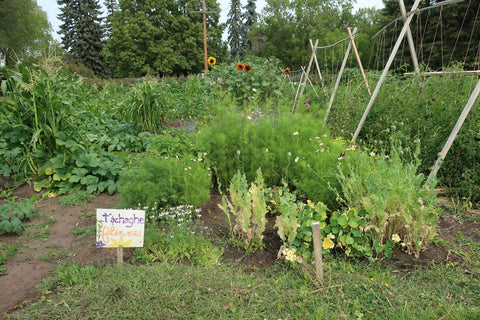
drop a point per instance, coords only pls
(353, 224)
(349, 240)
(343, 221)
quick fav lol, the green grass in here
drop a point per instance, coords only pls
(353, 290)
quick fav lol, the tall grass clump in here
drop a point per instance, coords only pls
(396, 205)
(148, 104)
(291, 147)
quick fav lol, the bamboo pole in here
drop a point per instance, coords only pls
(352, 40)
(385, 70)
(456, 129)
(314, 50)
(411, 45)
(337, 83)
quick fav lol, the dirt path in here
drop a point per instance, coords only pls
(43, 248)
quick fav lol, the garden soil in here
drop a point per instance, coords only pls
(41, 253)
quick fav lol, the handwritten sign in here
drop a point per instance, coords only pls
(120, 228)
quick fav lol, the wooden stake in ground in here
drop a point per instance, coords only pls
(317, 249)
(119, 255)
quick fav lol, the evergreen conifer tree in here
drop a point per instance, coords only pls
(235, 29)
(250, 17)
(83, 33)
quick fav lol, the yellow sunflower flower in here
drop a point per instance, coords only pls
(211, 61)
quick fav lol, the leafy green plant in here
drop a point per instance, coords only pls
(393, 198)
(178, 244)
(294, 224)
(6, 251)
(248, 208)
(76, 198)
(39, 105)
(262, 81)
(12, 214)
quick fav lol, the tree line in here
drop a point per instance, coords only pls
(133, 38)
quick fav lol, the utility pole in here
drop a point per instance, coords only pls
(204, 12)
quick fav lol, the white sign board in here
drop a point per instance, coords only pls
(120, 228)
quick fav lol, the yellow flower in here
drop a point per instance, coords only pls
(120, 243)
(327, 242)
(212, 61)
(395, 238)
(310, 204)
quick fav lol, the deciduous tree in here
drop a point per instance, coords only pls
(24, 30)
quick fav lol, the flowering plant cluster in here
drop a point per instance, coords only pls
(251, 81)
(179, 215)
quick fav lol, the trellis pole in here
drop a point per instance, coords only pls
(411, 45)
(337, 83)
(352, 40)
(456, 129)
(385, 70)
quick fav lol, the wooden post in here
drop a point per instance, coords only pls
(385, 71)
(455, 130)
(317, 249)
(204, 12)
(352, 39)
(119, 255)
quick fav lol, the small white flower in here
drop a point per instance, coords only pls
(295, 133)
(289, 154)
(254, 90)
(296, 159)
(372, 154)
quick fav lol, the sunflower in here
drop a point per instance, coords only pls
(212, 61)
(248, 67)
(240, 66)
(287, 71)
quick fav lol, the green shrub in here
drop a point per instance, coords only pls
(157, 183)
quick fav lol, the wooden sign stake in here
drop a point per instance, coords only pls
(119, 255)
(317, 249)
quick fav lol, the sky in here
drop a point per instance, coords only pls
(51, 8)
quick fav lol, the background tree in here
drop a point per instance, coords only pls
(235, 29)
(161, 37)
(249, 18)
(111, 6)
(285, 27)
(24, 30)
(444, 36)
(83, 33)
